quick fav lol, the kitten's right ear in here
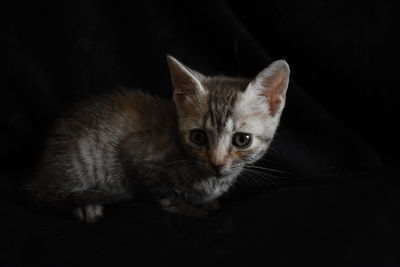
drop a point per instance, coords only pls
(272, 83)
(186, 82)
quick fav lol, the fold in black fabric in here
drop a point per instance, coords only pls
(326, 209)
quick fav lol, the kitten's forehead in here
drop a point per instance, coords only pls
(222, 96)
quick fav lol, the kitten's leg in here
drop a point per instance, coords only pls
(88, 213)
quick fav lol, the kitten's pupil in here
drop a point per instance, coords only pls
(198, 137)
(241, 139)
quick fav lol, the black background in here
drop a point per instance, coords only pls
(335, 205)
(345, 54)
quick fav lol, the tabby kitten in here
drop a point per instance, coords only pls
(184, 153)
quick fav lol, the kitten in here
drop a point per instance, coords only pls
(185, 153)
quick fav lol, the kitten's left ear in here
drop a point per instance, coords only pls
(272, 82)
(186, 82)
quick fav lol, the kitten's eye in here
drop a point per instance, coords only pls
(198, 137)
(241, 140)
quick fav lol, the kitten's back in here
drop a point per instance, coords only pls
(82, 158)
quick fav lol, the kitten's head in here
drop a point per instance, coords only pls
(225, 122)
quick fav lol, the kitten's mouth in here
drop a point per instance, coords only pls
(223, 173)
(217, 174)
(209, 171)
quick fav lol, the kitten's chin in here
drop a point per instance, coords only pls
(233, 172)
(211, 188)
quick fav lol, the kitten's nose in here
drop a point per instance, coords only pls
(217, 168)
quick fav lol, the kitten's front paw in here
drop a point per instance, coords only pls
(88, 213)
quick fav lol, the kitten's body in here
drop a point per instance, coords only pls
(113, 148)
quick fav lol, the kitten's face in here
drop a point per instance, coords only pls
(226, 123)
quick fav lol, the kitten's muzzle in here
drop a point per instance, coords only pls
(218, 169)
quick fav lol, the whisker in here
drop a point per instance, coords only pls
(267, 169)
(264, 173)
(254, 180)
(185, 170)
(265, 176)
(190, 173)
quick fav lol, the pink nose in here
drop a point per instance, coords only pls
(217, 161)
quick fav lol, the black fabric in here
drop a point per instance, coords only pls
(334, 204)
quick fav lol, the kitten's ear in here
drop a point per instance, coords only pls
(186, 82)
(272, 82)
